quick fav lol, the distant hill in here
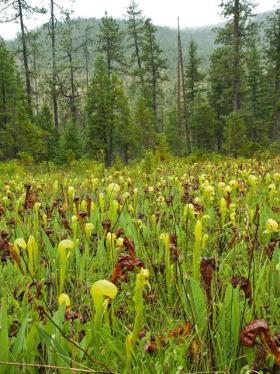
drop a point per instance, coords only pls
(204, 36)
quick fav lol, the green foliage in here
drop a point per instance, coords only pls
(145, 133)
(109, 42)
(235, 135)
(151, 317)
(194, 76)
(131, 99)
(154, 66)
(135, 34)
(273, 75)
(109, 122)
(204, 127)
(70, 144)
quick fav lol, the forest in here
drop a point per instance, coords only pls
(106, 89)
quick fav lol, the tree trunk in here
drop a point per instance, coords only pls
(73, 96)
(5, 120)
(276, 114)
(35, 82)
(236, 57)
(154, 80)
(179, 113)
(188, 135)
(54, 72)
(137, 51)
(25, 58)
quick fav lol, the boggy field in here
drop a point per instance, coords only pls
(168, 269)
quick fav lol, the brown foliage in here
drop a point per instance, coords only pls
(260, 328)
(245, 286)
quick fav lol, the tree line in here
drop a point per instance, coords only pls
(125, 102)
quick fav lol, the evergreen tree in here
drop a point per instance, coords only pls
(32, 38)
(220, 92)
(204, 127)
(234, 36)
(70, 144)
(108, 115)
(173, 135)
(194, 76)
(144, 131)
(135, 34)
(183, 123)
(17, 134)
(110, 43)
(236, 141)
(44, 120)
(68, 78)
(154, 66)
(12, 103)
(18, 10)
(255, 108)
(193, 82)
(273, 59)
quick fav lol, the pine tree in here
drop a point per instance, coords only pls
(108, 115)
(18, 10)
(193, 82)
(220, 92)
(68, 79)
(173, 135)
(234, 36)
(204, 127)
(194, 76)
(70, 144)
(44, 120)
(236, 141)
(32, 38)
(144, 132)
(273, 59)
(135, 33)
(183, 122)
(154, 66)
(17, 135)
(110, 43)
(11, 96)
(254, 106)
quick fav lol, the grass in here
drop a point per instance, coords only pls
(149, 268)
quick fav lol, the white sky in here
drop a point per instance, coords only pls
(163, 12)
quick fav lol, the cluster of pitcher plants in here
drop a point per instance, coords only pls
(119, 271)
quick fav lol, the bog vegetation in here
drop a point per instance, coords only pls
(167, 268)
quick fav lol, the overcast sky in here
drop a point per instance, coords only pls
(163, 12)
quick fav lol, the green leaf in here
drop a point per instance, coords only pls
(54, 346)
(4, 339)
(19, 343)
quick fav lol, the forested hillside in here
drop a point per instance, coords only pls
(203, 36)
(114, 89)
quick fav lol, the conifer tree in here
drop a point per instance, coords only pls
(154, 67)
(18, 10)
(109, 43)
(204, 127)
(108, 115)
(220, 92)
(256, 111)
(235, 36)
(68, 79)
(135, 32)
(273, 59)
(145, 131)
(194, 76)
